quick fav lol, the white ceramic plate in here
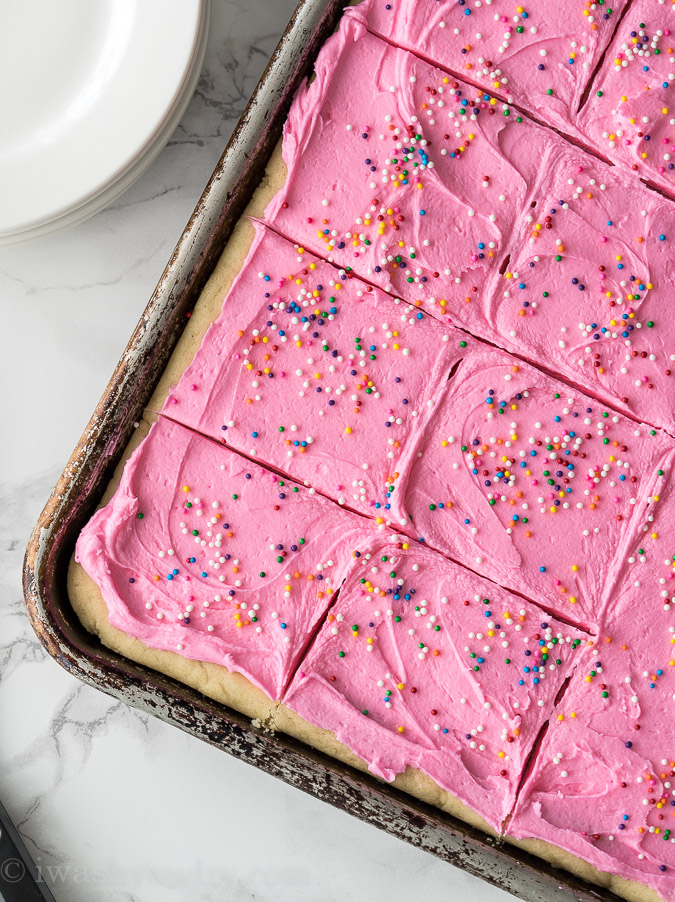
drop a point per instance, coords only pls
(89, 87)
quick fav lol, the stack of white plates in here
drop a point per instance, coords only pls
(91, 92)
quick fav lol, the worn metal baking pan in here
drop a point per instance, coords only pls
(90, 468)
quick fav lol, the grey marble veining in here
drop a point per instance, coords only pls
(115, 805)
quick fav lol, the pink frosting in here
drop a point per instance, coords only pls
(603, 786)
(410, 184)
(423, 664)
(539, 56)
(630, 114)
(197, 540)
(588, 290)
(539, 497)
(408, 176)
(317, 374)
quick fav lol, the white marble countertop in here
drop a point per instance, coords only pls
(113, 804)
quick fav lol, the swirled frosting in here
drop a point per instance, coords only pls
(531, 483)
(629, 115)
(202, 553)
(588, 290)
(414, 204)
(538, 56)
(603, 783)
(423, 664)
(317, 374)
(404, 174)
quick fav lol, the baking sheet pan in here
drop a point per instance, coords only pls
(90, 468)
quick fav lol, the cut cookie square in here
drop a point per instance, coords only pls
(588, 291)
(529, 482)
(629, 115)
(423, 665)
(602, 784)
(316, 374)
(202, 553)
(539, 57)
(404, 174)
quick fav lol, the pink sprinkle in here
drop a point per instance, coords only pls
(604, 241)
(193, 387)
(339, 488)
(309, 219)
(580, 168)
(174, 401)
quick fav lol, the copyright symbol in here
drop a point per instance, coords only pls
(12, 870)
